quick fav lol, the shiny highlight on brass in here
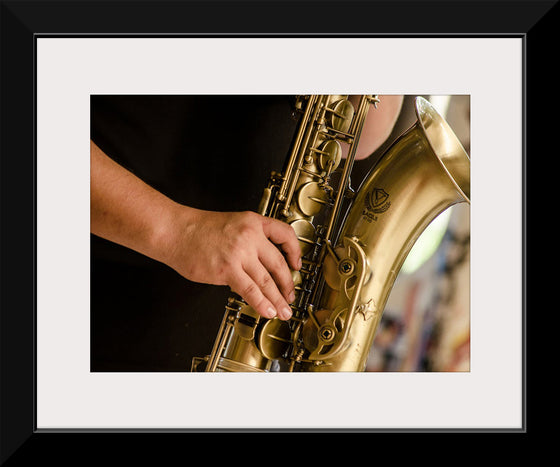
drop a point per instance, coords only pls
(350, 262)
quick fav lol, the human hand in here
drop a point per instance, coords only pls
(238, 249)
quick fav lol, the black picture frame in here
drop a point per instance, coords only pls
(23, 21)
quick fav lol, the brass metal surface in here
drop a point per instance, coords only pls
(348, 271)
(311, 199)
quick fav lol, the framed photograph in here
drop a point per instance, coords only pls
(102, 336)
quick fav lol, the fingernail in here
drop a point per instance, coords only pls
(291, 297)
(299, 263)
(271, 313)
(287, 313)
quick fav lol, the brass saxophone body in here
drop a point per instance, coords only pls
(351, 260)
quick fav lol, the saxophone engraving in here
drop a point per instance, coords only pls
(350, 260)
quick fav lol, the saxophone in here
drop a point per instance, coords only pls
(353, 243)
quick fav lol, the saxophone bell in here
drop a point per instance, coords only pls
(424, 172)
(350, 262)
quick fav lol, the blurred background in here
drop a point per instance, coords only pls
(426, 322)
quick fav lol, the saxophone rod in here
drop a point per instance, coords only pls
(358, 124)
(219, 344)
(293, 181)
(297, 145)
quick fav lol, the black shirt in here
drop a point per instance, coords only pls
(208, 152)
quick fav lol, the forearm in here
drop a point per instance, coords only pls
(220, 248)
(379, 124)
(127, 211)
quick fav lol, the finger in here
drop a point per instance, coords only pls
(244, 285)
(269, 289)
(275, 263)
(283, 234)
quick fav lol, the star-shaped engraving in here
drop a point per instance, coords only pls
(368, 310)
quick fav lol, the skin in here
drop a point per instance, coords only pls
(250, 253)
(378, 125)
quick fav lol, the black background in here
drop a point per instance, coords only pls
(536, 21)
(208, 152)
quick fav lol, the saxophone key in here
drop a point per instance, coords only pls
(341, 114)
(274, 338)
(312, 199)
(330, 155)
(305, 232)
